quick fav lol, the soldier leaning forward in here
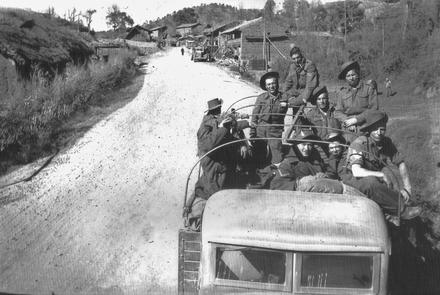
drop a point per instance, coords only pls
(268, 120)
(301, 80)
(219, 166)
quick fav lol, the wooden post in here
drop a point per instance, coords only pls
(264, 44)
(383, 37)
(345, 21)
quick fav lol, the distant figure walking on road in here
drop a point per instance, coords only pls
(388, 87)
(182, 50)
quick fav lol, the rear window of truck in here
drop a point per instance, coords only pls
(251, 265)
(336, 271)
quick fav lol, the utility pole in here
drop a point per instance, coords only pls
(383, 37)
(264, 43)
(345, 21)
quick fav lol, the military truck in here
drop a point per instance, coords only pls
(260, 241)
(277, 242)
(201, 54)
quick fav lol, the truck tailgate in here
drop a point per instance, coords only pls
(189, 261)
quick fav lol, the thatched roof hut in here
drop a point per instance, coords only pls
(36, 42)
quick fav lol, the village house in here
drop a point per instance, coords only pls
(187, 29)
(157, 33)
(138, 33)
(246, 40)
(214, 33)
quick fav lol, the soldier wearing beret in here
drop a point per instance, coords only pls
(270, 108)
(355, 98)
(301, 80)
(323, 111)
(367, 157)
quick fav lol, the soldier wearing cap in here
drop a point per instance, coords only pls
(270, 108)
(302, 78)
(367, 157)
(355, 98)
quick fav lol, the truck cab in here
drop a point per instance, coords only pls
(201, 54)
(286, 242)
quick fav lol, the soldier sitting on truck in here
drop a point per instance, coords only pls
(270, 108)
(366, 171)
(355, 98)
(219, 166)
(337, 151)
(321, 115)
(307, 171)
(301, 79)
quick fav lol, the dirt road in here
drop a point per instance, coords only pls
(102, 218)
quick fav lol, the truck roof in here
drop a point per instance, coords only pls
(297, 221)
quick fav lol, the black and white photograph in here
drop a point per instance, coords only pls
(220, 147)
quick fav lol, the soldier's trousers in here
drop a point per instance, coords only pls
(275, 153)
(377, 191)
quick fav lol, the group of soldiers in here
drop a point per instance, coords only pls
(331, 148)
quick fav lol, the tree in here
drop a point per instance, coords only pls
(88, 17)
(269, 9)
(186, 15)
(50, 11)
(320, 18)
(72, 15)
(118, 19)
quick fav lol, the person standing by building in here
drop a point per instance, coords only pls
(389, 91)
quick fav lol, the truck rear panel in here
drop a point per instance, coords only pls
(189, 261)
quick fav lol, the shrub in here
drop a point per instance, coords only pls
(36, 107)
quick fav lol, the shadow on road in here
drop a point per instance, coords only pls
(415, 264)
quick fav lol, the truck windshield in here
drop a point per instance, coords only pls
(336, 271)
(250, 265)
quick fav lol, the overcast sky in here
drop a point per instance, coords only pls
(139, 10)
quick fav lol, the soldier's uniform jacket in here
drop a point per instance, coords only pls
(336, 166)
(353, 101)
(292, 169)
(382, 153)
(301, 81)
(218, 167)
(318, 118)
(265, 105)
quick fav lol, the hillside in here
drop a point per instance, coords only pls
(38, 42)
(213, 14)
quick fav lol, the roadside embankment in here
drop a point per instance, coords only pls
(42, 115)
